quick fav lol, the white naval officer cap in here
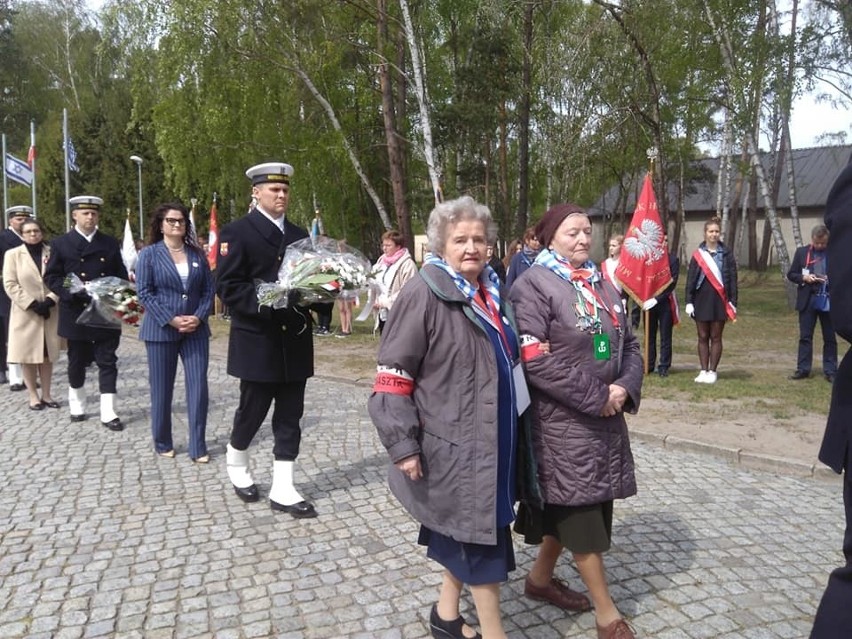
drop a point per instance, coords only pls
(19, 211)
(86, 202)
(270, 172)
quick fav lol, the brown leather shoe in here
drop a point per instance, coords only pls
(618, 629)
(559, 595)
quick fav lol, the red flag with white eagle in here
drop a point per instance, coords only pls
(643, 267)
(213, 238)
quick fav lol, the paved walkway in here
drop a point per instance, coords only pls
(100, 538)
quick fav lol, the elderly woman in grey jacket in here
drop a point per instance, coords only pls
(580, 391)
(445, 406)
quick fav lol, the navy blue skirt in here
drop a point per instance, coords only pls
(472, 564)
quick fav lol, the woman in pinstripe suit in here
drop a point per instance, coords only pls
(176, 288)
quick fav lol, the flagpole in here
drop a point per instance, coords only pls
(33, 167)
(646, 315)
(67, 186)
(5, 182)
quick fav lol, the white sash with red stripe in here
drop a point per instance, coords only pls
(714, 276)
(608, 272)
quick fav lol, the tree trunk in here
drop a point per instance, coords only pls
(391, 137)
(524, 107)
(754, 150)
(503, 180)
(419, 72)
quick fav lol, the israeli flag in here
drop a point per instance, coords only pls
(18, 170)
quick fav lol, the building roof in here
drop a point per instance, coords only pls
(816, 169)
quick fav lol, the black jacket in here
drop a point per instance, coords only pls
(72, 253)
(8, 240)
(729, 275)
(265, 345)
(803, 291)
(838, 219)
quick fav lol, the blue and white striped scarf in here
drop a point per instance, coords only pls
(550, 260)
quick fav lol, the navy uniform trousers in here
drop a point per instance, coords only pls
(81, 353)
(194, 354)
(255, 400)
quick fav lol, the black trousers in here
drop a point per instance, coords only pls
(81, 353)
(834, 615)
(255, 399)
(4, 326)
(660, 317)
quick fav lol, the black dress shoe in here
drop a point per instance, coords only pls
(248, 495)
(78, 418)
(442, 629)
(114, 424)
(829, 378)
(799, 375)
(16, 387)
(38, 406)
(300, 510)
(663, 372)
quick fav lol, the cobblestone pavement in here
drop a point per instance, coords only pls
(101, 538)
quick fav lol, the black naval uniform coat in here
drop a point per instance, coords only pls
(8, 240)
(834, 615)
(265, 345)
(71, 253)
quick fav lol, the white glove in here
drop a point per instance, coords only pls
(690, 310)
(734, 308)
(648, 305)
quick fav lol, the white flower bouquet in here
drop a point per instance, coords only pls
(317, 270)
(114, 301)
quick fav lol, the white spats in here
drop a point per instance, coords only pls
(238, 471)
(283, 492)
(77, 400)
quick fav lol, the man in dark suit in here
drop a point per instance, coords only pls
(89, 254)
(270, 350)
(663, 315)
(10, 237)
(834, 616)
(808, 273)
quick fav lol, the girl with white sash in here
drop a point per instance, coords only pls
(711, 297)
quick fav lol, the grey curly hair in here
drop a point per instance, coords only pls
(452, 212)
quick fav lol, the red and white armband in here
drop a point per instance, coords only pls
(531, 348)
(393, 380)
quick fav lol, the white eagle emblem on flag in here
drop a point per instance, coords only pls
(645, 242)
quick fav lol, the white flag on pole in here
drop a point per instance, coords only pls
(128, 248)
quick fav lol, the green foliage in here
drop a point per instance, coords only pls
(202, 90)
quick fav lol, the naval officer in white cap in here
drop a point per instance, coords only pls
(10, 238)
(89, 254)
(270, 351)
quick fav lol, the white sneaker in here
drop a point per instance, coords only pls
(710, 378)
(702, 377)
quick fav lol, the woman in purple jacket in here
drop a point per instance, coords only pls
(580, 390)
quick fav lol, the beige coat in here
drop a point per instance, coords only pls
(29, 333)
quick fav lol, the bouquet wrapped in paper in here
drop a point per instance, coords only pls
(114, 301)
(317, 270)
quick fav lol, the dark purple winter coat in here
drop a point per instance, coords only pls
(583, 458)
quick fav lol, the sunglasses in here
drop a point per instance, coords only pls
(174, 221)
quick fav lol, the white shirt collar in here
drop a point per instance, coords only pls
(279, 222)
(88, 237)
